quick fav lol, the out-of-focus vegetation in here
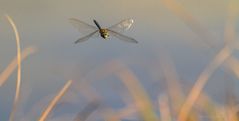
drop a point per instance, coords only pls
(172, 105)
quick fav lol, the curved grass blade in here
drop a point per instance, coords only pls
(18, 83)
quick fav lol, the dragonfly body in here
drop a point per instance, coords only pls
(104, 32)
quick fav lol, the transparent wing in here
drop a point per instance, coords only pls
(122, 37)
(122, 26)
(83, 27)
(86, 37)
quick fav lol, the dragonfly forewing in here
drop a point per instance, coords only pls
(83, 27)
(122, 26)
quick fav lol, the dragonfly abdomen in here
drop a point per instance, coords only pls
(97, 24)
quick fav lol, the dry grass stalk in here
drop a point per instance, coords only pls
(176, 95)
(12, 66)
(54, 101)
(189, 20)
(164, 108)
(18, 85)
(140, 97)
(201, 81)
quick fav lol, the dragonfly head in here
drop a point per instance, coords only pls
(104, 33)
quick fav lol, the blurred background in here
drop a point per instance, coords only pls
(179, 36)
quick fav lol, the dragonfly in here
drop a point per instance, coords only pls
(114, 30)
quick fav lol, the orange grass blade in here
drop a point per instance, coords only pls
(230, 114)
(224, 54)
(54, 101)
(233, 64)
(18, 85)
(11, 67)
(140, 97)
(208, 107)
(108, 114)
(172, 81)
(230, 33)
(164, 108)
(189, 20)
(201, 81)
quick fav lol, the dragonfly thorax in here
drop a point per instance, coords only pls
(104, 33)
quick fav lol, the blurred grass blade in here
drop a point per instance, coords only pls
(172, 80)
(202, 80)
(108, 114)
(54, 101)
(87, 110)
(164, 108)
(209, 107)
(140, 97)
(231, 20)
(18, 83)
(233, 64)
(11, 67)
(174, 89)
(224, 54)
(230, 114)
(189, 20)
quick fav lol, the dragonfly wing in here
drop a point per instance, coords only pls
(86, 37)
(122, 26)
(83, 27)
(122, 37)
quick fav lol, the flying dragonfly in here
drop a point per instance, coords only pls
(105, 33)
